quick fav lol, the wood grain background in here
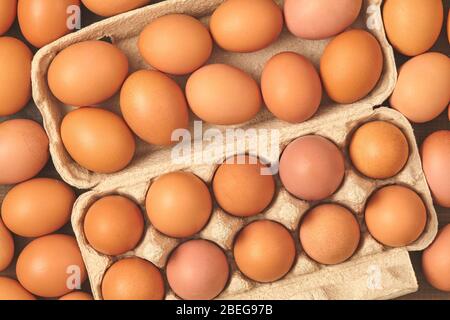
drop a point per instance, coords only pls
(421, 131)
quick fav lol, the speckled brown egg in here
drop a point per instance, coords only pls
(11, 289)
(351, 66)
(113, 225)
(197, 270)
(154, 106)
(395, 216)
(98, 140)
(176, 44)
(133, 279)
(246, 25)
(44, 21)
(112, 7)
(291, 87)
(379, 149)
(178, 204)
(264, 251)
(7, 245)
(15, 78)
(243, 186)
(23, 150)
(77, 295)
(413, 26)
(87, 73)
(38, 207)
(329, 234)
(235, 95)
(8, 9)
(436, 261)
(51, 266)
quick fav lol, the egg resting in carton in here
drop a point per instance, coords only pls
(374, 272)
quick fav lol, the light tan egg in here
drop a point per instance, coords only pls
(11, 289)
(7, 247)
(113, 7)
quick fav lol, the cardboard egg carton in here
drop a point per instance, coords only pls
(374, 272)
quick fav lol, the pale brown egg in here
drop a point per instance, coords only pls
(113, 225)
(351, 66)
(312, 168)
(44, 21)
(329, 234)
(176, 44)
(235, 95)
(291, 87)
(379, 149)
(395, 216)
(264, 251)
(37, 207)
(154, 106)
(413, 26)
(243, 186)
(7, 247)
(23, 150)
(320, 19)
(246, 25)
(178, 204)
(11, 289)
(51, 266)
(435, 154)
(98, 140)
(133, 279)
(77, 295)
(422, 91)
(436, 261)
(15, 78)
(87, 73)
(112, 7)
(8, 9)
(197, 270)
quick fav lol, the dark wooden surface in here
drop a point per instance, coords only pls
(421, 131)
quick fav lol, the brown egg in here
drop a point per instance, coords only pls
(8, 9)
(235, 95)
(11, 289)
(113, 7)
(38, 207)
(77, 295)
(264, 251)
(51, 266)
(291, 87)
(246, 25)
(113, 225)
(178, 204)
(448, 33)
(197, 270)
(23, 150)
(98, 140)
(175, 43)
(436, 261)
(243, 186)
(154, 106)
(351, 66)
(422, 91)
(15, 78)
(44, 21)
(329, 234)
(87, 73)
(312, 168)
(435, 154)
(413, 26)
(379, 149)
(320, 19)
(7, 247)
(133, 279)
(395, 216)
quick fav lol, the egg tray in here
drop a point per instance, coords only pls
(307, 279)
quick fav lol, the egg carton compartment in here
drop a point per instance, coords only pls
(307, 279)
(123, 31)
